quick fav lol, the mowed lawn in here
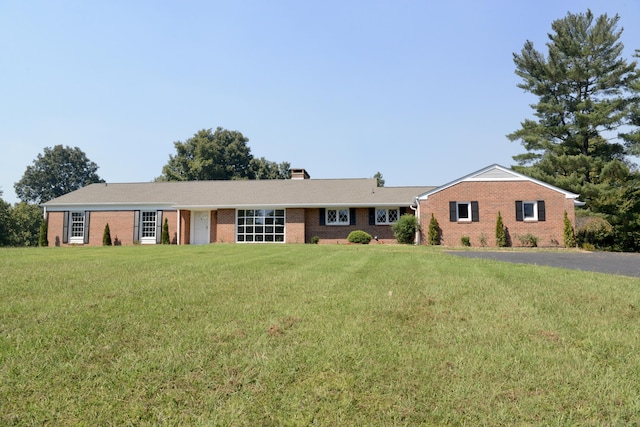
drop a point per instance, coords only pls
(333, 335)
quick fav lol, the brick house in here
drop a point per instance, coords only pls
(299, 209)
(200, 212)
(469, 206)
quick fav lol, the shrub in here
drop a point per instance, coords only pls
(483, 240)
(42, 238)
(404, 230)
(106, 236)
(595, 231)
(433, 235)
(315, 240)
(164, 237)
(465, 241)
(501, 234)
(359, 236)
(569, 237)
(528, 240)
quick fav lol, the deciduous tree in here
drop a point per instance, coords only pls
(58, 171)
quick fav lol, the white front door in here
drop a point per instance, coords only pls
(200, 227)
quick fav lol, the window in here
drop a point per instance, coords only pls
(530, 210)
(260, 225)
(148, 226)
(387, 216)
(338, 217)
(76, 227)
(463, 212)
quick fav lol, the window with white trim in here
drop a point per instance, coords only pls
(260, 225)
(385, 216)
(530, 210)
(148, 226)
(76, 227)
(337, 217)
(463, 210)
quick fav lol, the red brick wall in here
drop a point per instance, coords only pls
(295, 227)
(213, 227)
(54, 228)
(493, 197)
(226, 226)
(120, 226)
(339, 233)
(185, 227)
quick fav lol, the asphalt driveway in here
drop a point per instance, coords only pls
(625, 264)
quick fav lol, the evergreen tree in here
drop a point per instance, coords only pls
(165, 233)
(569, 237)
(42, 239)
(501, 234)
(433, 234)
(106, 236)
(586, 93)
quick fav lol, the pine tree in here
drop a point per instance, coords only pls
(586, 92)
(106, 236)
(501, 234)
(433, 235)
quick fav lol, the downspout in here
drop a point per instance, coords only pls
(417, 213)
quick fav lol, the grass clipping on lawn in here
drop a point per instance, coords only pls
(311, 334)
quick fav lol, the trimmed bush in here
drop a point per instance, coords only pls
(315, 240)
(404, 230)
(164, 238)
(569, 237)
(465, 241)
(106, 236)
(433, 234)
(42, 238)
(501, 234)
(359, 236)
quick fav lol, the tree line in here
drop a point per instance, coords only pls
(583, 138)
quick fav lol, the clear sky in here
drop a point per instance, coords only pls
(422, 91)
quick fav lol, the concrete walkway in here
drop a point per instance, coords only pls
(625, 264)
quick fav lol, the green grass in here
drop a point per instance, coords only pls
(311, 335)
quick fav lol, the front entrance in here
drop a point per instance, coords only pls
(200, 231)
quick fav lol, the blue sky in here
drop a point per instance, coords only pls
(422, 91)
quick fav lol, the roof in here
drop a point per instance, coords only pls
(244, 193)
(494, 173)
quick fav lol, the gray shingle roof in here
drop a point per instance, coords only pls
(231, 194)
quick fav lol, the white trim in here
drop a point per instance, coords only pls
(178, 227)
(469, 214)
(534, 218)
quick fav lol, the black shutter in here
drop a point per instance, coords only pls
(322, 215)
(159, 227)
(136, 226)
(453, 215)
(86, 227)
(475, 215)
(542, 214)
(352, 216)
(372, 216)
(519, 213)
(403, 210)
(65, 227)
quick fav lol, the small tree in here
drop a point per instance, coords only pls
(569, 237)
(165, 232)
(433, 235)
(404, 230)
(42, 239)
(501, 235)
(106, 236)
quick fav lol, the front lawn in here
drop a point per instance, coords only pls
(311, 335)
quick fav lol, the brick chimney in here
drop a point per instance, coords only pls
(299, 174)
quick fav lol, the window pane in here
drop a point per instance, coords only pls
(463, 211)
(394, 214)
(344, 215)
(528, 209)
(332, 216)
(381, 215)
